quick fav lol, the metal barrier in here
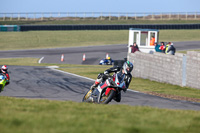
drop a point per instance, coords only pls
(40, 16)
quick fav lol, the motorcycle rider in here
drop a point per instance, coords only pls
(124, 74)
(4, 71)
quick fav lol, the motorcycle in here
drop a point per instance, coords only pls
(106, 62)
(110, 88)
(2, 82)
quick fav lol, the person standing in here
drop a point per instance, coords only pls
(4, 71)
(152, 41)
(134, 48)
(170, 49)
(157, 47)
(162, 47)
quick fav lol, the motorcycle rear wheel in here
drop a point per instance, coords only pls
(105, 99)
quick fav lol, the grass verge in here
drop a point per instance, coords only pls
(54, 39)
(25, 115)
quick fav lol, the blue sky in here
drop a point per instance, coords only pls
(99, 6)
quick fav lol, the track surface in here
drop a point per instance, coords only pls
(45, 83)
(93, 53)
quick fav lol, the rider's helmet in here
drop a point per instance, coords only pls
(4, 68)
(127, 67)
(108, 58)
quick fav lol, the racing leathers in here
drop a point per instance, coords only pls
(121, 76)
(6, 74)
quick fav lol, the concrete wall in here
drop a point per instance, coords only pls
(173, 69)
(193, 69)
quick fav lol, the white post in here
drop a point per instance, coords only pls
(195, 15)
(42, 16)
(34, 16)
(4, 17)
(186, 15)
(178, 16)
(135, 16)
(18, 16)
(170, 16)
(11, 17)
(144, 17)
(152, 16)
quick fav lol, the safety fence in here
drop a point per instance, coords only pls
(40, 16)
(178, 69)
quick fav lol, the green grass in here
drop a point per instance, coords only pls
(25, 115)
(54, 39)
(185, 52)
(20, 61)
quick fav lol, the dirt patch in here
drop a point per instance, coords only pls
(173, 96)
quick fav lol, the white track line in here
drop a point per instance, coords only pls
(71, 74)
(40, 60)
(53, 68)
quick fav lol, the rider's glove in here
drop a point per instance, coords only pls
(106, 72)
(93, 86)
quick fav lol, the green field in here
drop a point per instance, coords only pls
(54, 39)
(20, 115)
(45, 116)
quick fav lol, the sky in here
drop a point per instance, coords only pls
(17, 6)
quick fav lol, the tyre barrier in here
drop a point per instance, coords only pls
(108, 27)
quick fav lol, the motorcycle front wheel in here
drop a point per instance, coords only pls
(87, 96)
(105, 99)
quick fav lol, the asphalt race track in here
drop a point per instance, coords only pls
(93, 54)
(46, 83)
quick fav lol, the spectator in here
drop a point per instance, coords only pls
(152, 41)
(170, 49)
(134, 48)
(157, 47)
(162, 47)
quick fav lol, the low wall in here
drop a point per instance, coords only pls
(193, 69)
(173, 69)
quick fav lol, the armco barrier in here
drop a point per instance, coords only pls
(178, 69)
(108, 27)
